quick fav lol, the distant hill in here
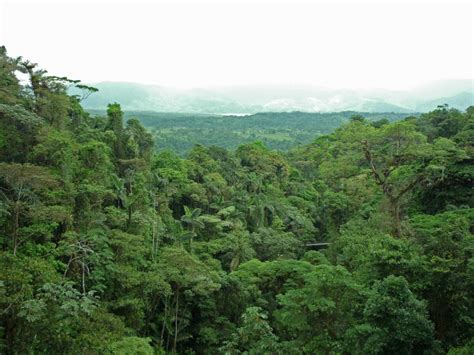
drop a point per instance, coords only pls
(279, 98)
(140, 97)
(277, 130)
(460, 101)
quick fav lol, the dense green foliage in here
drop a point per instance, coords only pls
(277, 130)
(108, 247)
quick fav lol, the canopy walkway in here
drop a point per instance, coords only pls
(317, 245)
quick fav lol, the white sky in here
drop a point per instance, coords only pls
(342, 45)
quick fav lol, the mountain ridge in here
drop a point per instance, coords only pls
(458, 94)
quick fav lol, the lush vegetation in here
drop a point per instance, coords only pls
(108, 247)
(277, 130)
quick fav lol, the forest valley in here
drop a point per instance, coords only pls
(109, 247)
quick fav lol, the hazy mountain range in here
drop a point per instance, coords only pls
(251, 99)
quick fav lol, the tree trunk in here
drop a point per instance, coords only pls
(395, 212)
(9, 335)
(154, 242)
(191, 241)
(83, 279)
(129, 219)
(16, 226)
(176, 322)
(162, 337)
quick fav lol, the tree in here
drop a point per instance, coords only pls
(192, 222)
(10, 88)
(132, 346)
(255, 336)
(240, 248)
(316, 316)
(18, 132)
(48, 94)
(271, 244)
(21, 182)
(368, 250)
(143, 139)
(395, 321)
(115, 124)
(447, 241)
(399, 159)
(188, 277)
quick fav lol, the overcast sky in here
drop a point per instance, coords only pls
(355, 45)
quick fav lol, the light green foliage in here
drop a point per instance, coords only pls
(255, 336)
(368, 250)
(131, 346)
(316, 316)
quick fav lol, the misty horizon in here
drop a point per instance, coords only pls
(249, 99)
(288, 85)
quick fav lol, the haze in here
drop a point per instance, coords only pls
(393, 46)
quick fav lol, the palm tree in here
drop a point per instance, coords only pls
(240, 248)
(192, 223)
